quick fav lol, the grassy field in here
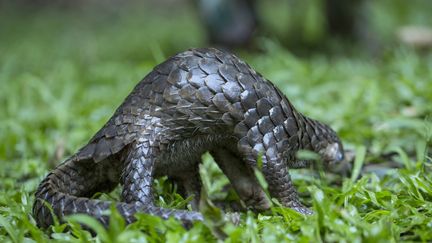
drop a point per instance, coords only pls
(63, 73)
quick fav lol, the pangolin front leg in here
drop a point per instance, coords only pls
(242, 178)
(277, 176)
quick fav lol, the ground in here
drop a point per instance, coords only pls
(63, 73)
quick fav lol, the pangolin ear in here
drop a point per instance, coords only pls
(340, 155)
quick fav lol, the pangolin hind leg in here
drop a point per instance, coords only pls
(138, 178)
(189, 185)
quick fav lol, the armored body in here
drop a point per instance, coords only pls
(196, 101)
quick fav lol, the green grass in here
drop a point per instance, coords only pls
(62, 74)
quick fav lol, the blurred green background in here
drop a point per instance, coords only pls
(66, 65)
